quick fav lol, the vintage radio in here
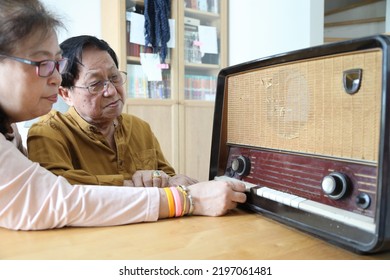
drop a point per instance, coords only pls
(308, 133)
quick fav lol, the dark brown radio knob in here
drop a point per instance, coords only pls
(241, 165)
(335, 185)
(363, 200)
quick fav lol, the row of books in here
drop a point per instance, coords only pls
(197, 87)
(200, 87)
(211, 6)
(138, 85)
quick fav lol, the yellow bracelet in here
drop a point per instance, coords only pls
(171, 202)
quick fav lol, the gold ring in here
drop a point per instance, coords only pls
(156, 174)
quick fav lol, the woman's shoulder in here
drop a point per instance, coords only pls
(15, 138)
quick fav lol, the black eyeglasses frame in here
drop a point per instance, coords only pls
(57, 64)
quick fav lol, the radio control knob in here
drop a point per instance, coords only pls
(363, 200)
(241, 165)
(335, 185)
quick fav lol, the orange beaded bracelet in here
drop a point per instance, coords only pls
(171, 202)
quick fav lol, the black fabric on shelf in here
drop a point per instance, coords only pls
(157, 33)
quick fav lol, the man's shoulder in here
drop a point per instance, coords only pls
(134, 123)
(134, 120)
(52, 120)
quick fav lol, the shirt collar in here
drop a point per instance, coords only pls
(84, 125)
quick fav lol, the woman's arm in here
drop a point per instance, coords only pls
(32, 198)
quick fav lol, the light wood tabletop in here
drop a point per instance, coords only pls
(238, 235)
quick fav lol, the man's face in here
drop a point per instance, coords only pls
(103, 107)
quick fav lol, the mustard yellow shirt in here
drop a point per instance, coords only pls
(69, 146)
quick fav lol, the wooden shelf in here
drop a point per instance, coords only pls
(202, 66)
(354, 22)
(350, 6)
(200, 14)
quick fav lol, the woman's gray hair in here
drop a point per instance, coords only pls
(20, 19)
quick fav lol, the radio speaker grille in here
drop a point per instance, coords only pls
(303, 107)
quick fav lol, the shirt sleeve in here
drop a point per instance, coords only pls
(32, 198)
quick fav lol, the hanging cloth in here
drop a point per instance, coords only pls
(157, 33)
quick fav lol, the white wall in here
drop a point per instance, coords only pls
(79, 16)
(260, 28)
(387, 16)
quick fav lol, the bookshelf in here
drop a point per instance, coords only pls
(180, 106)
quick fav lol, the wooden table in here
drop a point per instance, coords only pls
(238, 235)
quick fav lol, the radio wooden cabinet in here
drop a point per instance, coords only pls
(308, 133)
(180, 107)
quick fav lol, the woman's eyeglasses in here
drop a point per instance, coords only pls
(45, 68)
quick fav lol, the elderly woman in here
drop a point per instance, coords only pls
(32, 197)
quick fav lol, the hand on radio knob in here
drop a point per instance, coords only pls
(216, 198)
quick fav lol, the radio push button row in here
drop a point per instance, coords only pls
(241, 165)
(335, 185)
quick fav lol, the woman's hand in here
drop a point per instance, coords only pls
(181, 179)
(216, 198)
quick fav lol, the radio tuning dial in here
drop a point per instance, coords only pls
(335, 185)
(241, 165)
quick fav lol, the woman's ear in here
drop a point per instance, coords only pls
(66, 95)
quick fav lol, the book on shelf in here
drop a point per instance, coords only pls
(136, 8)
(137, 82)
(192, 52)
(191, 21)
(160, 89)
(211, 6)
(138, 85)
(133, 49)
(200, 87)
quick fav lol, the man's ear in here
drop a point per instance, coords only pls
(66, 95)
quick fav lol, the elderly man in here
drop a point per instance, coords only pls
(94, 142)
